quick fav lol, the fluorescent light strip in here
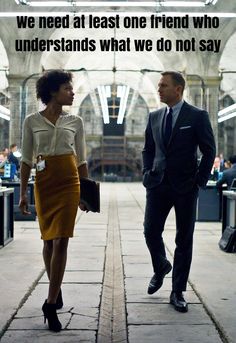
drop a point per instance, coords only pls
(103, 99)
(117, 3)
(50, 3)
(182, 14)
(21, 2)
(228, 116)
(120, 90)
(4, 116)
(4, 110)
(34, 14)
(122, 14)
(123, 104)
(106, 117)
(226, 110)
(180, 4)
(108, 91)
(121, 95)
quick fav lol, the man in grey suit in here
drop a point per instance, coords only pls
(172, 178)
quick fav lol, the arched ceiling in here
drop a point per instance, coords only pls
(131, 66)
(95, 63)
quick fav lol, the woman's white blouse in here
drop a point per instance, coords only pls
(41, 137)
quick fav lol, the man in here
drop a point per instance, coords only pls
(11, 158)
(172, 178)
(229, 174)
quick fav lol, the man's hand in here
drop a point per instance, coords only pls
(23, 205)
(83, 207)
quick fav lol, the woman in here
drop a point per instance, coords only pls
(56, 140)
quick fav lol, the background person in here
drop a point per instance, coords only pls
(57, 140)
(3, 158)
(172, 177)
(12, 158)
(228, 174)
(227, 164)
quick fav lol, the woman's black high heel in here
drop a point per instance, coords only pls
(50, 313)
(59, 302)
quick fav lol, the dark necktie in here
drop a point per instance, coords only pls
(168, 127)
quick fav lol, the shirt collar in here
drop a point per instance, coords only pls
(177, 107)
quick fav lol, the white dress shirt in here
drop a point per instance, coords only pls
(41, 137)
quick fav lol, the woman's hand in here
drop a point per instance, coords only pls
(23, 205)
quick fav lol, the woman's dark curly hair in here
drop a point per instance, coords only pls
(51, 82)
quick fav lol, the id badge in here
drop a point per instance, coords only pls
(40, 165)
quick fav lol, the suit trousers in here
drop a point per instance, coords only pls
(159, 201)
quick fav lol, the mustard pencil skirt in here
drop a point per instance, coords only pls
(57, 196)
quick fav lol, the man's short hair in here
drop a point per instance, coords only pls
(177, 78)
(232, 159)
(13, 145)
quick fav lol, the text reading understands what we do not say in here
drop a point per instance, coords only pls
(117, 22)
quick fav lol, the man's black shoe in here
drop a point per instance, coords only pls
(177, 299)
(157, 279)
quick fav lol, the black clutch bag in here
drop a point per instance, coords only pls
(90, 194)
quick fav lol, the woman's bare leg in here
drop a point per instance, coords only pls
(47, 255)
(57, 268)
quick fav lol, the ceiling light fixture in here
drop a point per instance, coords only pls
(227, 110)
(51, 3)
(227, 113)
(103, 100)
(4, 113)
(122, 93)
(124, 14)
(180, 4)
(227, 117)
(4, 116)
(113, 3)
